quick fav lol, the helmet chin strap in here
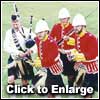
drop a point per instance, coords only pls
(83, 29)
(80, 31)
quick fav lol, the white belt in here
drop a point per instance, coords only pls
(58, 57)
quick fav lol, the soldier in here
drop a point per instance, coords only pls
(49, 56)
(87, 53)
(58, 31)
(14, 44)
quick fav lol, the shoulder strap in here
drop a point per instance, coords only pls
(16, 40)
(22, 33)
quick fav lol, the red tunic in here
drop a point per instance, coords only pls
(88, 45)
(49, 55)
(58, 32)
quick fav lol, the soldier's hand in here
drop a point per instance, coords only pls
(28, 52)
(21, 54)
(62, 51)
(66, 37)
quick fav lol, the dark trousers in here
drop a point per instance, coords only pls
(28, 70)
(68, 67)
(91, 80)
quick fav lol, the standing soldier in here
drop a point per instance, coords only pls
(87, 52)
(58, 31)
(49, 56)
(14, 44)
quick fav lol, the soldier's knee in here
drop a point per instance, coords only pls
(71, 77)
(11, 79)
(24, 82)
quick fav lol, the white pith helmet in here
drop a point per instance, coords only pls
(41, 25)
(79, 20)
(63, 13)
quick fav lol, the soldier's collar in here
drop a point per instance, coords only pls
(45, 38)
(82, 34)
(64, 25)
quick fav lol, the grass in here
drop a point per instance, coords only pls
(49, 11)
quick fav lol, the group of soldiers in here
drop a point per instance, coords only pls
(67, 49)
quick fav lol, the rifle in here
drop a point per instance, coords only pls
(72, 30)
(70, 33)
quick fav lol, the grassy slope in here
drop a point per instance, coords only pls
(49, 11)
